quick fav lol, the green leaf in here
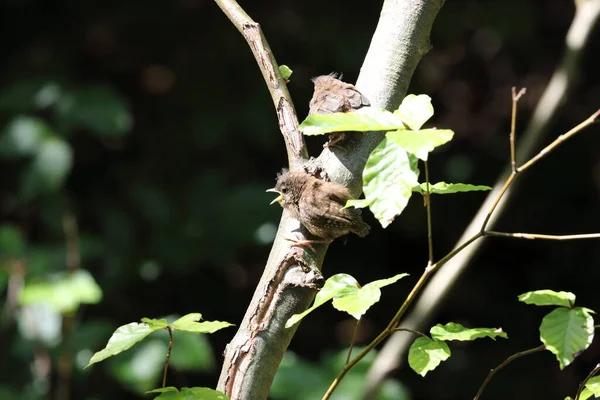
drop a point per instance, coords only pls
(415, 110)
(155, 323)
(196, 393)
(420, 143)
(285, 72)
(356, 301)
(454, 331)
(332, 286)
(189, 323)
(449, 188)
(567, 332)
(49, 168)
(98, 108)
(23, 136)
(12, 242)
(388, 179)
(592, 388)
(29, 95)
(64, 292)
(426, 354)
(548, 298)
(123, 339)
(366, 119)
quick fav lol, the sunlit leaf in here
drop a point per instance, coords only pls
(189, 323)
(567, 332)
(356, 301)
(365, 119)
(415, 110)
(448, 188)
(454, 331)
(592, 388)
(196, 393)
(123, 339)
(332, 286)
(426, 354)
(420, 143)
(285, 72)
(388, 179)
(64, 292)
(548, 298)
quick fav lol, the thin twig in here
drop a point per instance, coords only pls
(559, 140)
(587, 378)
(513, 126)
(411, 331)
(543, 236)
(286, 114)
(504, 364)
(164, 377)
(356, 327)
(427, 195)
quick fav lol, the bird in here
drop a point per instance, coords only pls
(319, 206)
(333, 95)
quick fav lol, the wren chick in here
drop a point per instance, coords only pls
(332, 95)
(318, 205)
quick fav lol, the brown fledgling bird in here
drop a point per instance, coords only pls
(318, 205)
(332, 95)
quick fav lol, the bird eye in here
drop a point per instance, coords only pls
(284, 190)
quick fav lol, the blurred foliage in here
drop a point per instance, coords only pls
(150, 123)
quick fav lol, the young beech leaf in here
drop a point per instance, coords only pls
(426, 354)
(448, 188)
(189, 323)
(195, 393)
(123, 339)
(567, 332)
(548, 298)
(420, 143)
(454, 331)
(366, 119)
(347, 295)
(415, 110)
(388, 179)
(592, 388)
(285, 72)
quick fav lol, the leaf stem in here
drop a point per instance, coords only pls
(164, 378)
(427, 196)
(504, 364)
(543, 236)
(513, 124)
(356, 327)
(411, 331)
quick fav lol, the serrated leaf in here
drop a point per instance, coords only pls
(63, 292)
(285, 72)
(123, 339)
(567, 332)
(189, 323)
(548, 298)
(388, 179)
(420, 143)
(449, 188)
(331, 287)
(366, 119)
(426, 354)
(415, 110)
(195, 393)
(356, 301)
(454, 331)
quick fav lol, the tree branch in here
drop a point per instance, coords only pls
(390, 357)
(399, 42)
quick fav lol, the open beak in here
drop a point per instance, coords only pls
(278, 198)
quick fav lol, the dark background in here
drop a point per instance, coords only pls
(174, 140)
